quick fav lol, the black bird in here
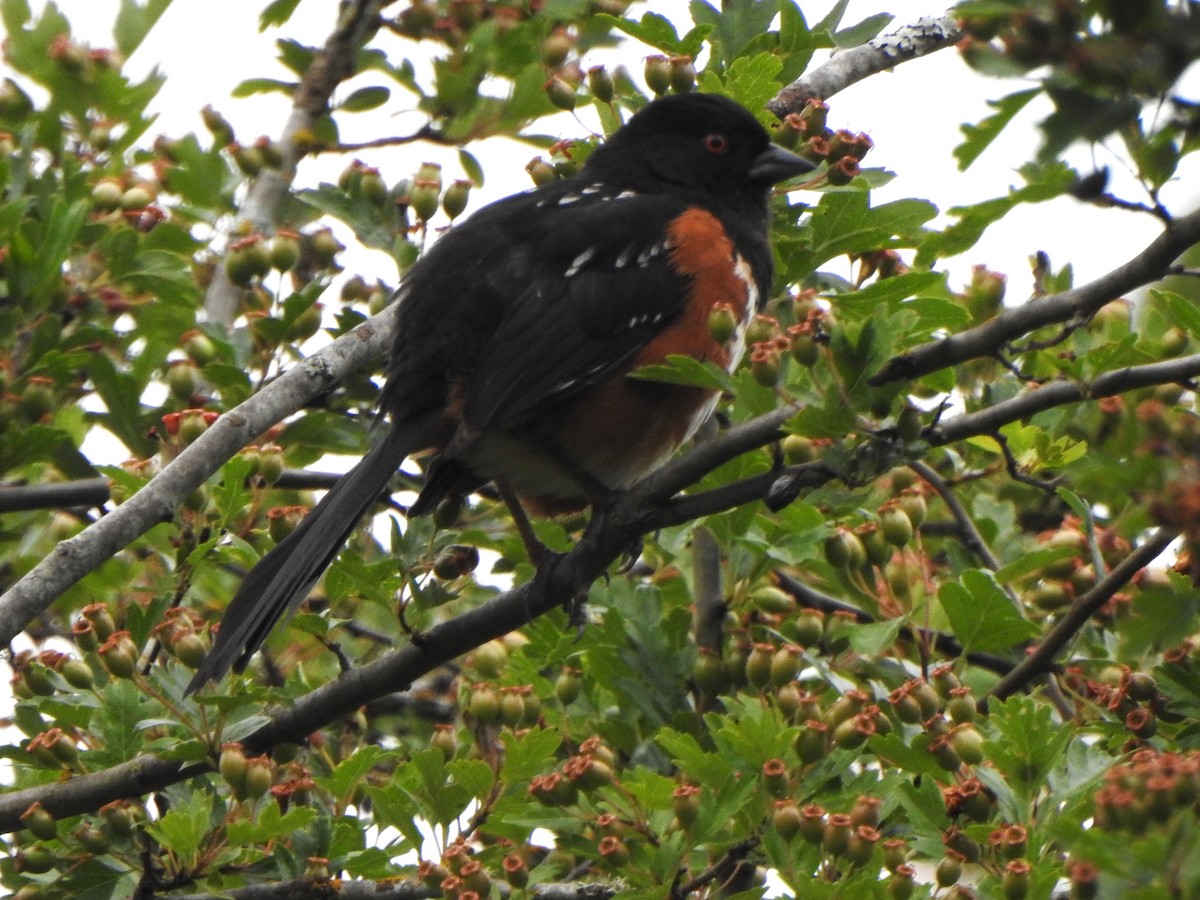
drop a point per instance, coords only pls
(516, 331)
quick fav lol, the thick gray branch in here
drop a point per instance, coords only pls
(333, 65)
(848, 67)
(157, 501)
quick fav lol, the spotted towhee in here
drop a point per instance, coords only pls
(516, 331)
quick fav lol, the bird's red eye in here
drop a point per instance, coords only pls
(716, 143)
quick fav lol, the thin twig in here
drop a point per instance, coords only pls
(1013, 467)
(1042, 658)
(1107, 200)
(810, 598)
(426, 133)
(970, 534)
(1150, 264)
(357, 21)
(90, 493)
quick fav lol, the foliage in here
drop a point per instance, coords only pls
(823, 688)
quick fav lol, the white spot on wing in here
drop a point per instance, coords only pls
(651, 252)
(579, 262)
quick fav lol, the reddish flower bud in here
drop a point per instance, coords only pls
(786, 819)
(844, 171)
(601, 84)
(685, 802)
(657, 72)
(561, 94)
(683, 74)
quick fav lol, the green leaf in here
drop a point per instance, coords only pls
(252, 86)
(864, 31)
(1157, 156)
(184, 827)
(119, 723)
(120, 393)
(366, 220)
(738, 23)
(526, 755)
(684, 370)
(66, 220)
(276, 13)
(271, 824)
(833, 18)
(873, 638)
(652, 29)
(392, 806)
(925, 808)
(33, 443)
(1082, 115)
(134, 22)
(710, 769)
(1025, 742)
(243, 728)
(752, 81)
(345, 778)
(846, 223)
(1031, 561)
(979, 137)
(473, 775)
(1178, 310)
(366, 99)
(982, 615)
(1042, 183)
(833, 420)
(911, 757)
(888, 290)
(471, 166)
(295, 55)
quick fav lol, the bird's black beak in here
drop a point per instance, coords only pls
(775, 164)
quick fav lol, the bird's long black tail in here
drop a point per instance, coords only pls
(283, 578)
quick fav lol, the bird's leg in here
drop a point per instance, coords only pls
(539, 554)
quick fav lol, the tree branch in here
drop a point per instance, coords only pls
(847, 67)
(324, 889)
(1151, 264)
(158, 501)
(708, 620)
(357, 21)
(966, 525)
(391, 889)
(91, 493)
(86, 493)
(1041, 658)
(1060, 393)
(947, 645)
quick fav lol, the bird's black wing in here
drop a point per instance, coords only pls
(593, 290)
